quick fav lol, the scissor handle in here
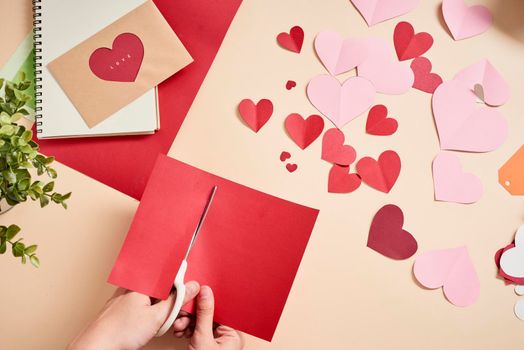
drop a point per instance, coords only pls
(180, 295)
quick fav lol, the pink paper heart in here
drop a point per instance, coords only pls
(451, 183)
(340, 103)
(384, 71)
(452, 270)
(462, 125)
(376, 11)
(339, 55)
(465, 21)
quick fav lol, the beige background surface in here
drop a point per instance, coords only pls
(345, 296)
(17, 21)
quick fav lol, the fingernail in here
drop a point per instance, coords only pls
(205, 292)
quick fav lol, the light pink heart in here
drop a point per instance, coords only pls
(464, 126)
(452, 270)
(385, 72)
(451, 183)
(376, 11)
(340, 103)
(466, 21)
(337, 54)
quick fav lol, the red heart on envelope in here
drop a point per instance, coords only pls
(334, 150)
(304, 131)
(378, 123)
(424, 79)
(120, 63)
(408, 44)
(341, 181)
(255, 115)
(381, 174)
(293, 40)
(387, 236)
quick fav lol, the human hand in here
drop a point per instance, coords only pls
(129, 321)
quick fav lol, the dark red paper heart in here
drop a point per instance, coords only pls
(341, 181)
(424, 79)
(304, 131)
(408, 44)
(293, 40)
(255, 115)
(379, 124)
(291, 167)
(334, 150)
(387, 237)
(120, 63)
(290, 84)
(284, 156)
(381, 174)
(507, 278)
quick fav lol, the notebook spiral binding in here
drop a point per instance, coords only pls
(37, 65)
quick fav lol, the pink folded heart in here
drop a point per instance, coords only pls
(376, 11)
(340, 103)
(462, 125)
(465, 21)
(339, 55)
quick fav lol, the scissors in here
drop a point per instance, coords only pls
(179, 279)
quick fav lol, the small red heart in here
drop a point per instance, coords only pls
(304, 131)
(255, 115)
(334, 150)
(408, 44)
(341, 181)
(387, 236)
(378, 123)
(284, 156)
(381, 174)
(291, 167)
(424, 79)
(290, 84)
(120, 63)
(292, 41)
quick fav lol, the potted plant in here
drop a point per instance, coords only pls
(19, 161)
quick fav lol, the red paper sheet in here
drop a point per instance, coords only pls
(248, 250)
(125, 162)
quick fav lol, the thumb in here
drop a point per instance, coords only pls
(204, 312)
(164, 307)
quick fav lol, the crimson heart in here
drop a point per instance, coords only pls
(284, 156)
(293, 40)
(408, 44)
(334, 150)
(387, 236)
(120, 63)
(381, 174)
(378, 123)
(304, 131)
(424, 79)
(291, 167)
(290, 84)
(255, 115)
(341, 181)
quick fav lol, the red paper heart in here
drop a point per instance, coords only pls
(291, 167)
(334, 150)
(290, 84)
(387, 236)
(284, 156)
(507, 278)
(340, 181)
(424, 79)
(381, 174)
(304, 132)
(292, 41)
(255, 115)
(378, 123)
(120, 63)
(408, 44)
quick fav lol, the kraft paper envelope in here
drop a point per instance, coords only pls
(120, 63)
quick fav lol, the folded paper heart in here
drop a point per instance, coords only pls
(378, 122)
(291, 167)
(293, 40)
(284, 156)
(382, 174)
(408, 44)
(340, 103)
(304, 131)
(424, 79)
(334, 150)
(376, 11)
(387, 237)
(255, 115)
(464, 21)
(451, 183)
(512, 260)
(337, 54)
(452, 270)
(464, 126)
(341, 181)
(507, 278)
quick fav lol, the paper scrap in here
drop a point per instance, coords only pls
(511, 174)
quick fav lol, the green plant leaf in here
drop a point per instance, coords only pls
(31, 249)
(18, 249)
(7, 130)
(43, 201)
(24, 259)
(49, 187)
(35, 261)
(12, 231)
(3, 247)
(52, 173)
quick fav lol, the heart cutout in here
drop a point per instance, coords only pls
(290, 84)
(291, 167)
(387, 237)
(507, 278)
(424, 79)
(341, 181)
(408, 44)
(465, 21)
(376, 11)
(122, 62)
(378, 122)
(337, 54)
(284, 156)
(334, 150)
(452, 270)
(304, 131)
(255, 115)
(293, 40)
(382, 174)
(512, 260)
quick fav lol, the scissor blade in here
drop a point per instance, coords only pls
(201, 221)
